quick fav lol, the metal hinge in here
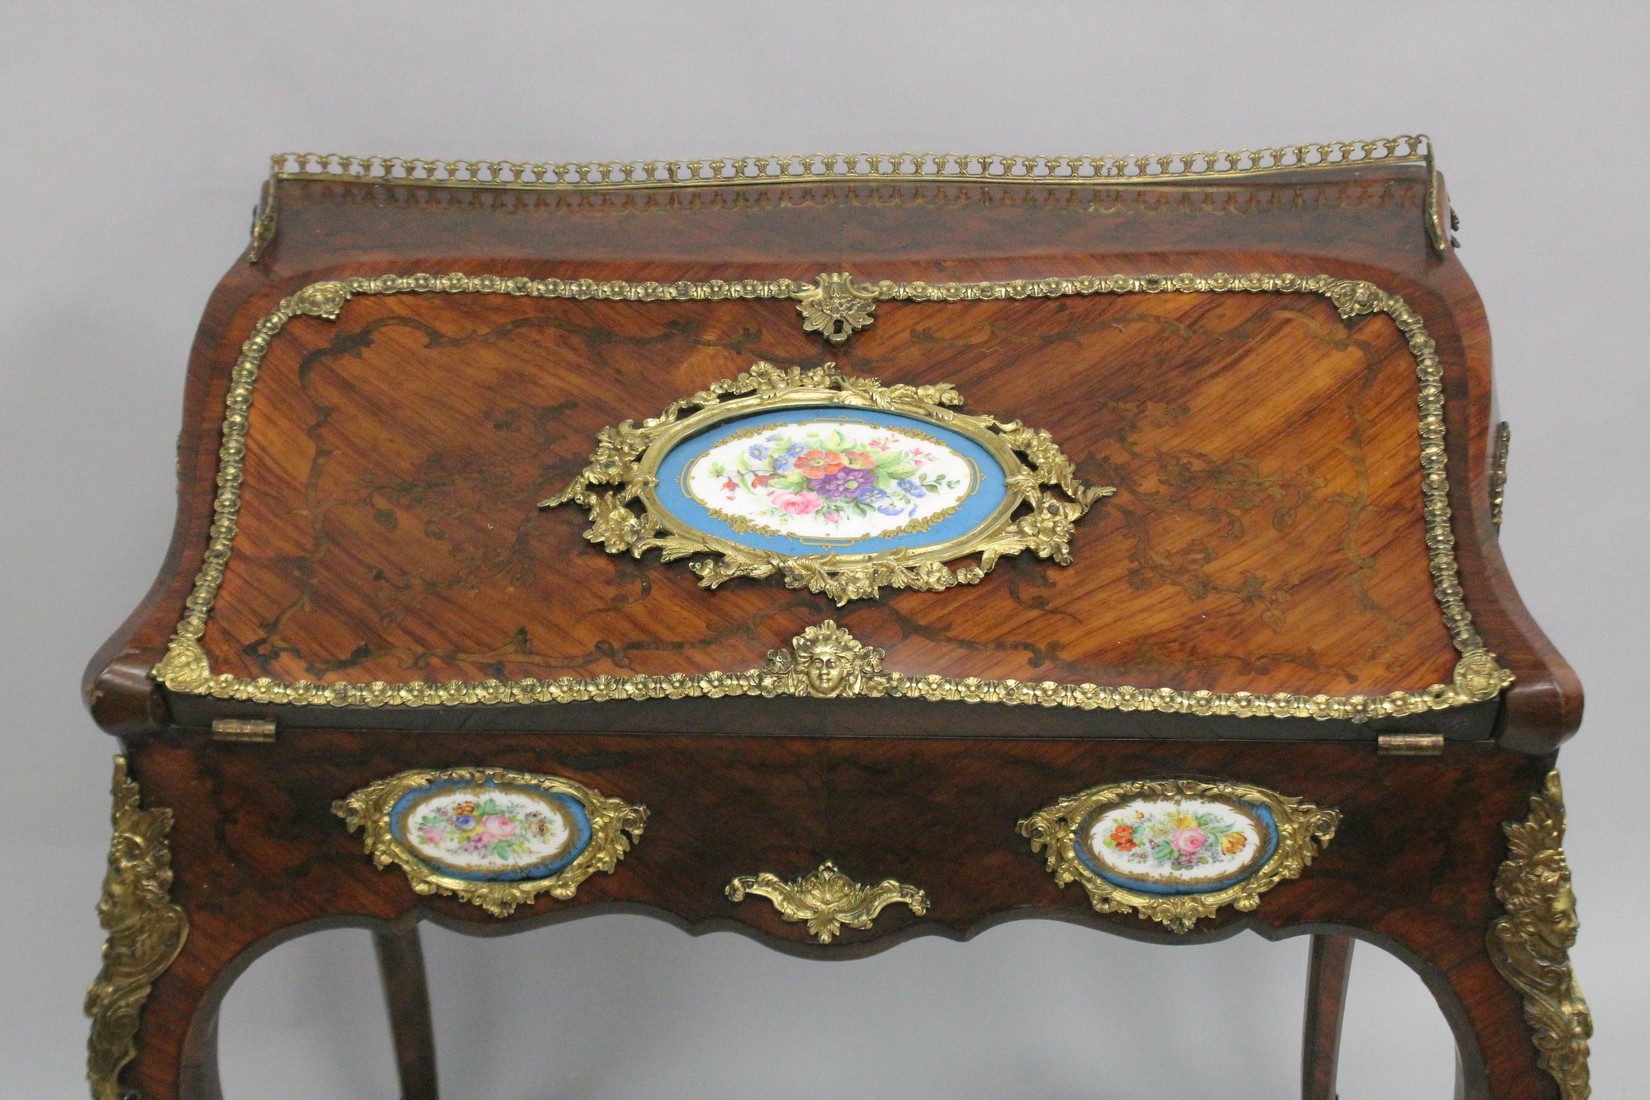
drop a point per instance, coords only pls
(260, 730)
(1410, 744)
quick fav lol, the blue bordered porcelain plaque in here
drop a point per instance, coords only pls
(836, 484)
(492, 837)
(1177, 845)
(1177, 850)
(487, 832)
(824, 479)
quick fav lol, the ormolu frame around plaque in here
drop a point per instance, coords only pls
(1478, 676)
(1303, 829)
(615, 826)
(617, 488)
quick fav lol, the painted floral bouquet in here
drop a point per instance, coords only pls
(484, 828)
(1173, 837)
(836, 474)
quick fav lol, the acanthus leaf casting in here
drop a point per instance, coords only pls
(827, 899)
(1530, 945)
(146, 930)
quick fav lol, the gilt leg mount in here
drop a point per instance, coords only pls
(1530, 945)
(146, 932)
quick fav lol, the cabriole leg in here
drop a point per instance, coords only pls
(1326, 982)
(406, 993)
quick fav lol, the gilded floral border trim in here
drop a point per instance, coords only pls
(614, 826)
(1303, 829)
(1042, 501)
(1530, 945)
(1478, 676)
(1498, 473)
(146, 930)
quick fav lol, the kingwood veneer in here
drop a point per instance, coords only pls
(1279, 666)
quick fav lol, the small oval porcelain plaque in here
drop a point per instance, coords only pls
(494, 838)
(1177, 850)
(828, 479)
(1178, 846)
(491, 832)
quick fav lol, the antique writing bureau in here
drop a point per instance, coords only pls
(842, 549)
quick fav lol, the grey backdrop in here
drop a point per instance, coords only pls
(134, 140)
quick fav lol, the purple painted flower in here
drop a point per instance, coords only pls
(844, 482)
(911, 487)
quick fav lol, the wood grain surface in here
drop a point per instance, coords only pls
(260, 857)
(1265, 536)
(1267, 533)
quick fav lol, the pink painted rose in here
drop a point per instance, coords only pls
(1188, 841)
(432, 836)
(498, 826)
(805, 503)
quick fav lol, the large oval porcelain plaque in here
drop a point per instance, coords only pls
(1177, 846)
(491, 832)
(827, 479)
(843, 486)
